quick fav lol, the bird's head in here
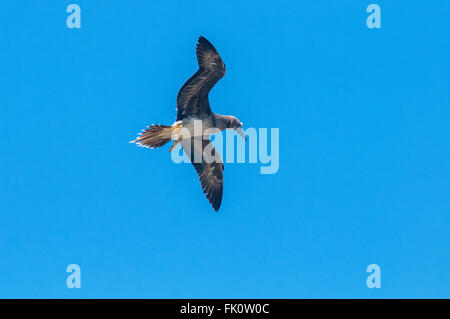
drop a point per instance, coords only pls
(237, 125)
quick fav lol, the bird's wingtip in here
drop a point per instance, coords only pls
(202, 41)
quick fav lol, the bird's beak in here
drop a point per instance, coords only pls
(240, 131)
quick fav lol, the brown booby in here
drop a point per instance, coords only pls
(193, 109)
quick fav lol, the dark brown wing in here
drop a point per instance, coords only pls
(192, 99)
(209, 167)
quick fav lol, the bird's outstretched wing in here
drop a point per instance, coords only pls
(209, 167)
(192, 99)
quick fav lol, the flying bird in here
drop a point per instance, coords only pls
(193, 108)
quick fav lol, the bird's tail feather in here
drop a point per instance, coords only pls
(154, 136)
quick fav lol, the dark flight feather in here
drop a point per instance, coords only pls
(209, 168)
(192, 99)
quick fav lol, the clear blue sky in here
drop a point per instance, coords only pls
(364, 150)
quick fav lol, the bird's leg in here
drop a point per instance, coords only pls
(177, 137)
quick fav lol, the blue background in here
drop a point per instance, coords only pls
(364, 150)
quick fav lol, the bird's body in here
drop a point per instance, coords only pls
(195, 122)
(191, 125)
(211, 124)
